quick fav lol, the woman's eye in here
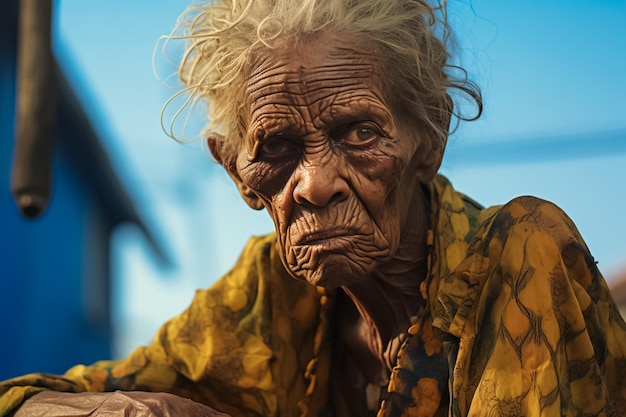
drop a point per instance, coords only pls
(360, 135)
(277, 148)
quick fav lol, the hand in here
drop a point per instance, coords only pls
(113, 404)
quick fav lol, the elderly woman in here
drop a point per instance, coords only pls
(383, 292)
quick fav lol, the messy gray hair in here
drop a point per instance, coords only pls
(412, 36)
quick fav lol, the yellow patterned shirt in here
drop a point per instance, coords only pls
(520, 323)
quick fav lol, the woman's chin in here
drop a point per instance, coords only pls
(333, 272)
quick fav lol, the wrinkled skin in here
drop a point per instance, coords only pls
(337, 172)
(341, 177)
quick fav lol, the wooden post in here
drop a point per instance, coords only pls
(31, 179)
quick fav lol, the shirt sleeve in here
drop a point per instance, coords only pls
(543, 336)
(219, 352)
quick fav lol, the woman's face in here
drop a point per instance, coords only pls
(327, 158)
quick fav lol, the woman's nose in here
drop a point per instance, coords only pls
(319, 184)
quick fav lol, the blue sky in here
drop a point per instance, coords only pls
(547, 68)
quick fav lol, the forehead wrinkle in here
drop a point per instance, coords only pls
(330, 79)
(320, 103)
(302, 91)
(259, 85)
(279, 119)
(314, 93)
(283, 77)
(357, 109)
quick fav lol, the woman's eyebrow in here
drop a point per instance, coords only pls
(356, 110)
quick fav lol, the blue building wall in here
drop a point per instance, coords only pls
(42, 292)
(53, 314)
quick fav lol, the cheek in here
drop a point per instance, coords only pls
(265, 179)
(271, 182)
(280, 209)
(374, 176)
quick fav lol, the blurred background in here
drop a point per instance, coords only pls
(137, 222)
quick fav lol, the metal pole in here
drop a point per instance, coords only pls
(31, 178)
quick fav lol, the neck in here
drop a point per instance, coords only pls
(391, 297)
(387, 307)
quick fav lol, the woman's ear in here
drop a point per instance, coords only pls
(430, 160)
(433, 144)
(229, 162)
(438, 144)
(213, 141)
